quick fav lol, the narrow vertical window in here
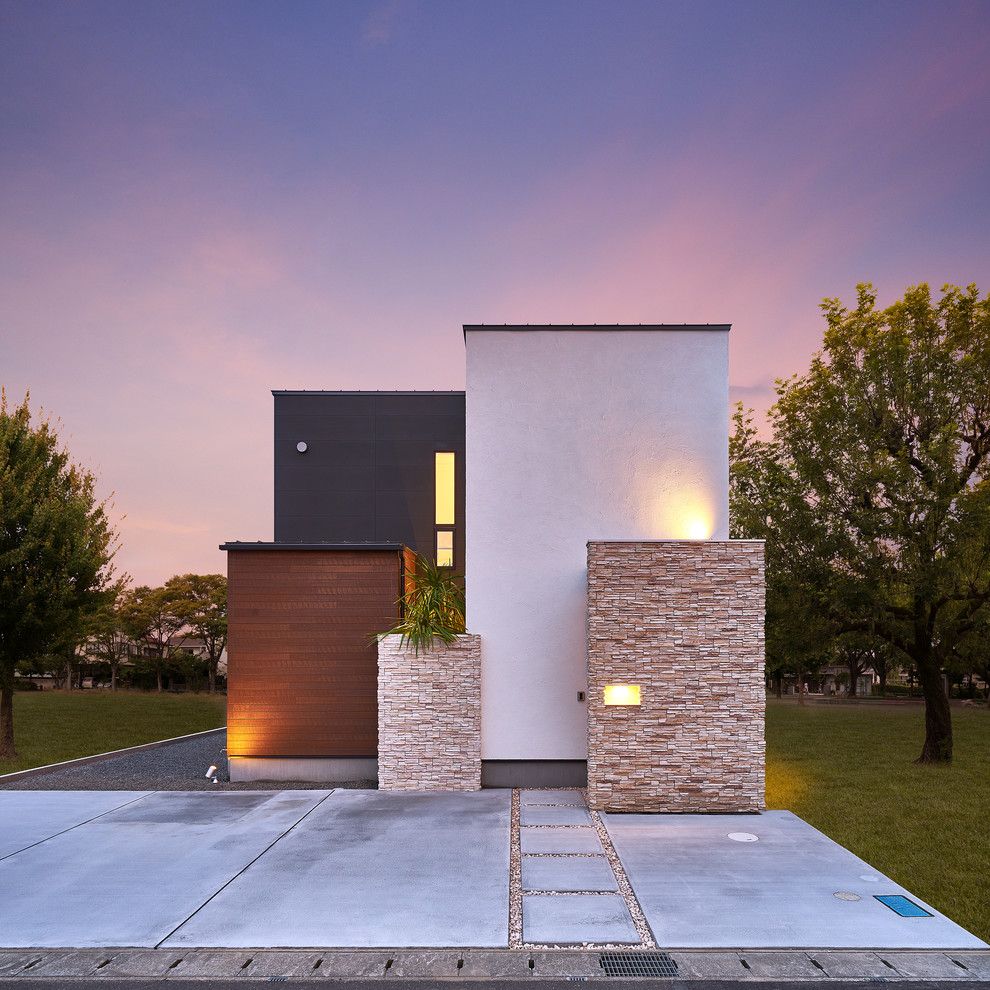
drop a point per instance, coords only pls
(445, 548)
(445, 488)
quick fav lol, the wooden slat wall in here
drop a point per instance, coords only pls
(302, 665)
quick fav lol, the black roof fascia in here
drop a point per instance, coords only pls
(325, 391)
(237, 545)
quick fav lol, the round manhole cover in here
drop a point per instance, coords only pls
(744, 837)
(846, 895)
(869, 878)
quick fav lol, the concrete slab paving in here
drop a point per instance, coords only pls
(553, 815)
(565, 796)
(711, 966)
(132, 875)
(28, 817)
(556, 964)
(781, 965)
(851, 965)
(567, 873)
(925, 965)
(141, 963)
(441, 965)
(699, 888)
(78, 962)
(288, 963)
(977, 963)
(353, 965)
(213, 963)
(502, 964)
(373, 869)
(577, 919)
(579, 839)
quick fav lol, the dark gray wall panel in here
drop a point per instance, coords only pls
(368, 472)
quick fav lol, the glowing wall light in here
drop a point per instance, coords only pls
(697, 528)
(622, 694)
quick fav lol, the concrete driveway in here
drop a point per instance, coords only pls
(367, 869)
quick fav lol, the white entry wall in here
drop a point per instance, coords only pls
(576, 434)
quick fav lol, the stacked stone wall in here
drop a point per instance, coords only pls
(429, 716)
(684, 620)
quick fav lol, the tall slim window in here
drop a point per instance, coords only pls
(444, 508)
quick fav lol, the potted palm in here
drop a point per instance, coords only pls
(429, 689)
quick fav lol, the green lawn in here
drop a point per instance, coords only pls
(848, 771)
(52, 726)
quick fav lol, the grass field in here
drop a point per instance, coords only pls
(848, 771)
(52, 726)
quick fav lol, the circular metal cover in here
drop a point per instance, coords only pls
(845, 895)
(744, 837)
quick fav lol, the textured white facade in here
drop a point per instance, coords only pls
(576, 435)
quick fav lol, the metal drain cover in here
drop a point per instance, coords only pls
(637, 964)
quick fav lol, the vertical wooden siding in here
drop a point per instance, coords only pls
(302, 664)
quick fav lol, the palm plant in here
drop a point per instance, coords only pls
(432, 606)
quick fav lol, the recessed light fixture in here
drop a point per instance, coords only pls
(302, 446)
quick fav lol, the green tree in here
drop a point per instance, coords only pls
(149, 618)
(200, 600)
(879, 457)
(107, 640)
(56, 548)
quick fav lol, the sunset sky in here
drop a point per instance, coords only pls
(203, 201)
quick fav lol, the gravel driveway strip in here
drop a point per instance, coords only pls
(176, 766)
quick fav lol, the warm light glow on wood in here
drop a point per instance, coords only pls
(445, 488)
(622, 694)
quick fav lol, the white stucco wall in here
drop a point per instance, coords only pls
(576, 435)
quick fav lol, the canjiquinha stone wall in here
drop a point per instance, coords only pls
(684, 621)
(429, 716)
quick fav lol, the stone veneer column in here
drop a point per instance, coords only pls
(684, 620)
(429, 716)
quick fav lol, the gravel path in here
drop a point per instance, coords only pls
(179, 766)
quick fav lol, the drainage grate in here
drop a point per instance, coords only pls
(638, 964)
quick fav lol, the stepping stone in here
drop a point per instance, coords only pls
(556, 815)
(560, 918)
(570, 796)
(560, 840)
(571, 873)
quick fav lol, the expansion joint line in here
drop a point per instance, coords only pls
(625, 888)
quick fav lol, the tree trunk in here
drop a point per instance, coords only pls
(68, 675)
(158, 673)
(113, 676)
(213, 677)
(778, 680)
(7, 751)
(938, 716)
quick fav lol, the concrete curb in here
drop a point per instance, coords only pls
(83, 760)
(278, 965)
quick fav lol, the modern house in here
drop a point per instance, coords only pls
(581, 482)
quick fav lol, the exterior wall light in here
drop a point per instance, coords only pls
(697, 529)
(302, 446)
(622, 694)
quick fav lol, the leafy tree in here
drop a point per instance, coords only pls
(880, 503)
(108, 642)
(56, 548)
(200, 600)
(148, 616)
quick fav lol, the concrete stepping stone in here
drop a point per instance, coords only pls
(570, 796)
(554, 815)
(560, 840)
(577, 918)
(568, 873)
